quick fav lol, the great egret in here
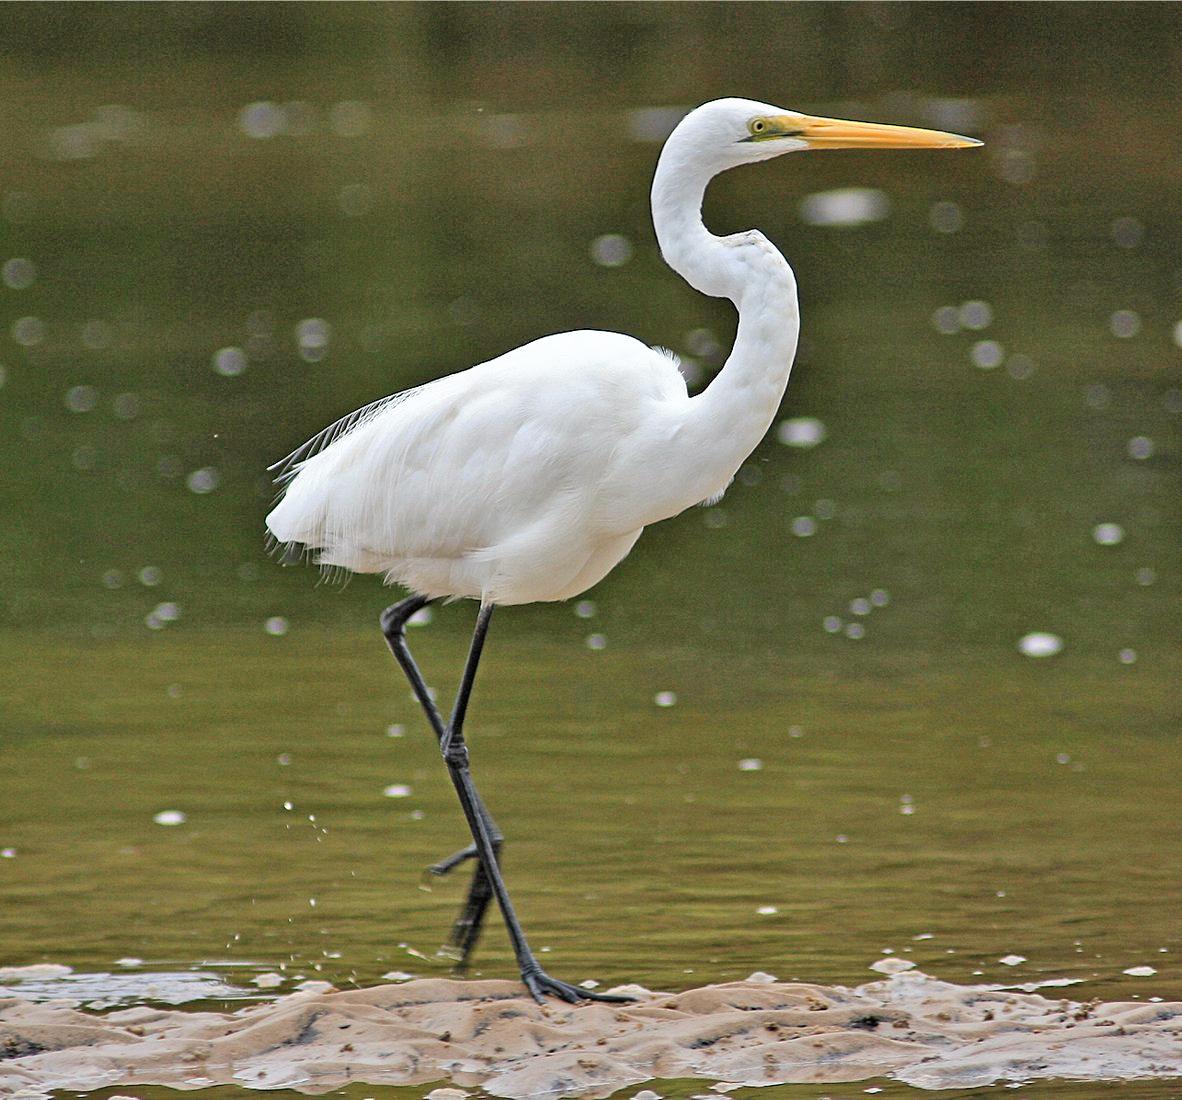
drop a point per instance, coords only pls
(531, 476)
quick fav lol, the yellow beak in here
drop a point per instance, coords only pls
(836, 133)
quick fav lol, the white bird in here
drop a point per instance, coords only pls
(530, 476)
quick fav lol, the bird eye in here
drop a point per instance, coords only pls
(757, 126)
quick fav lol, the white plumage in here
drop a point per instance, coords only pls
(530, 476)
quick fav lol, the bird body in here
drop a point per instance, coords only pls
(530, 476)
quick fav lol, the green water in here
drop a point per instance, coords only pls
(450, 217)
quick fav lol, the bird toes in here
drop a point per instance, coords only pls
(540, 984)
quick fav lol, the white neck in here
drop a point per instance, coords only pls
(731, 416)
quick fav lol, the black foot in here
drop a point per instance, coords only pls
(453, 861)
(539, 983)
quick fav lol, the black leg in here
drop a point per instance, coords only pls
(466, 929)
(455, 755)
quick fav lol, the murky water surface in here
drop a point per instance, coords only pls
(793, 732)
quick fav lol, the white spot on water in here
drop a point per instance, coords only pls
(1140, 447)
(767, 910)
(845, 207)
(1125, 323)
(832, 624)
(81, 399)
(750, 764)
(855, 631)
(229, 362)
(801, 431)
(987, 354)
(946, 320)
(1140, 971)
(1127, 656)
(611, 250)
(665, 698)
(203, 481)
(1108, 534)
(169, 817)
(1040, 644)
(397, 790)
(1011, 960)
(261, 119)
(18, 273)
(804, 526)
(28, 331)
(596, 641)
(276, 626)
(422, 617)
(585, 609)
(976, 314)
(150, 576)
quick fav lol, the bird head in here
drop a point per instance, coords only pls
(741, 131)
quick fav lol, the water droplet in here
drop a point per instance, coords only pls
(169, 817)
(1140, 447)
(976, 314)
(1140, 971)
(1012, 960)
(767, 910)
(860, 606)
(1108, 534)
(18, 273)
(750, 764)
(665, 698)
(585, 609)
(1062, 758)
(1040, 644)
(804, 526)
(396, 730)
(81, 399)
(611, 250)
(987, 354)
(276, 626)
(203, 481)
(261, 120)
(845, 206)
(832, 624)
(397, 790)
(1145, 576)
(1124, 323)
(596, 641)
(855, 631)
(7, 853)
(150, 576)
(112, 578)
(801, 431)
(880, 597)
(1127, 656)
(946, 320)
(229, 362)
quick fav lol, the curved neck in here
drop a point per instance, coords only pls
(729, 418)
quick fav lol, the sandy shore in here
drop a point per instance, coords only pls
(486, 1035)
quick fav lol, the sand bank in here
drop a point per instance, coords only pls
(486, 1035)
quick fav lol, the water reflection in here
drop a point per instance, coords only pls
(203, 262)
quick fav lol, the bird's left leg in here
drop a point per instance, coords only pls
(468, 923)
(455, 755)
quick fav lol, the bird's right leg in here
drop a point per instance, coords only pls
(470, 920)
